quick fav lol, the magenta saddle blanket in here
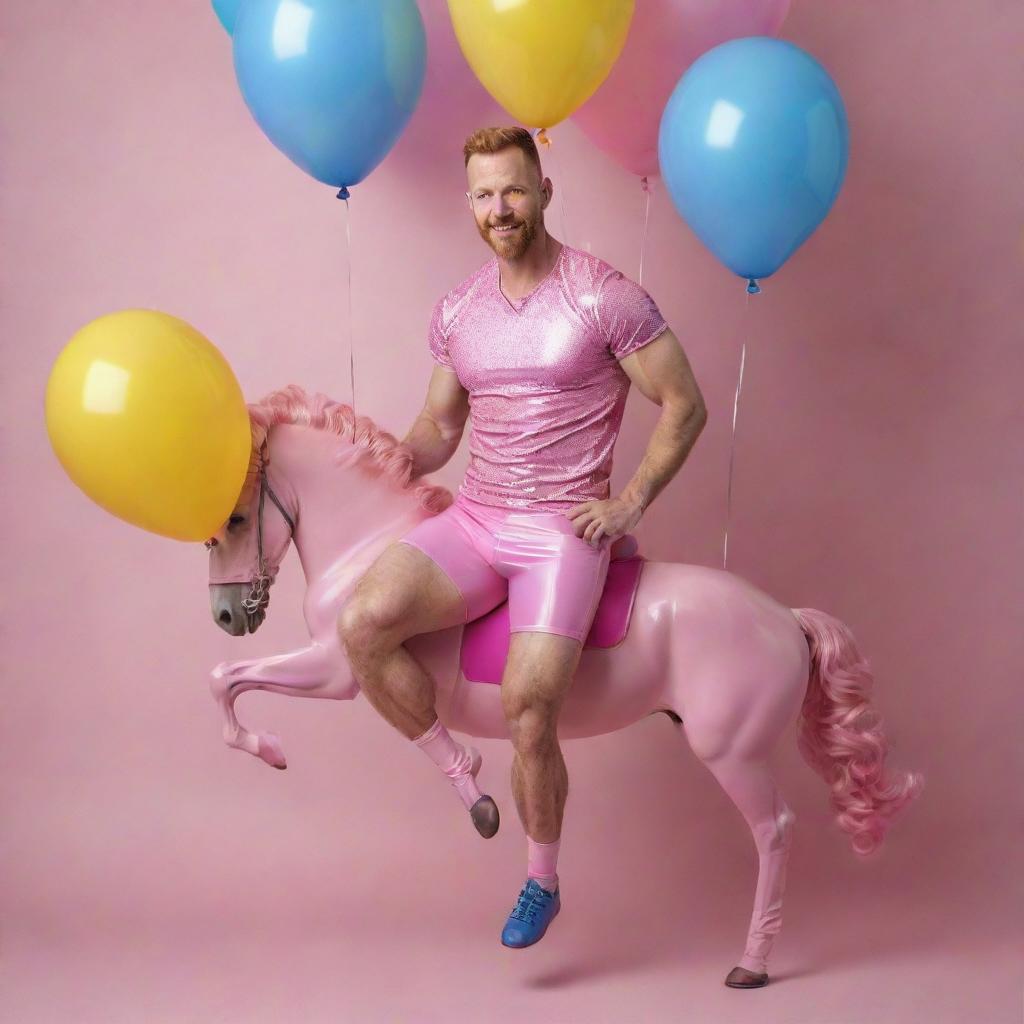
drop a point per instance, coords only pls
(485, 640)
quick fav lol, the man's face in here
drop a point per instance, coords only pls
(507, 198)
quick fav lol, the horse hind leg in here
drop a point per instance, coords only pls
(752, 788)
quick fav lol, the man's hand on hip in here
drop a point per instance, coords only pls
(606, 520)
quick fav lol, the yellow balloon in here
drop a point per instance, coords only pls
(541, 59)
(148, 419)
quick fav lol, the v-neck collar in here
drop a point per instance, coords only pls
(533, 291)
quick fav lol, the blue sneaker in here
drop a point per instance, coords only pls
(534, 911)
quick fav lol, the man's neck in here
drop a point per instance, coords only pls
(520, 277)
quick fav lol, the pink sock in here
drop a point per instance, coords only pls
(541, 861)
(452, 758)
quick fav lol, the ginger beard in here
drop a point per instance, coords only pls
(513, 244)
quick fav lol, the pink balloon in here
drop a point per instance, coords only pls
(665, 38)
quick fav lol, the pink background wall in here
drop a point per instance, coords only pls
(149, 872)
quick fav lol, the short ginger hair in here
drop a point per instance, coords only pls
(493, 140)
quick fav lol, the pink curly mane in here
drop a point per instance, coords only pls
(293, 405)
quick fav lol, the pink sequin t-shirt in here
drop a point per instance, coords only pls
(546, 392)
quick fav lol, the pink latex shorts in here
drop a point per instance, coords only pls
(552, 579)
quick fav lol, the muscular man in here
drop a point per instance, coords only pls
(538, 349)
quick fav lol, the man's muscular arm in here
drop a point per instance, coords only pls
(662, 372)
(437, 431)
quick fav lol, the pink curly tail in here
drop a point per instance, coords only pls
(841, 735)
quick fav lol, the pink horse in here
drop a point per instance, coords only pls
(727, 663)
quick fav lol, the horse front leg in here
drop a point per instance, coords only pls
(314, 671)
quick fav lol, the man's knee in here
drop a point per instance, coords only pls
(531, 698)
(532, 724)
(369, 622)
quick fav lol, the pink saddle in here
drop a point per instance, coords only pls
(485, 640)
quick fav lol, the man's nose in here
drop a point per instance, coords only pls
(501, 205)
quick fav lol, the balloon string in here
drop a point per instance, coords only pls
(732, 446)
(645, 185)
(540, 135)
(344, 194)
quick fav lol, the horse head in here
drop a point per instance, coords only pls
(350, 477)
(247, 551)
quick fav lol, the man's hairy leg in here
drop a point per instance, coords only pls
(404, 594)
(538, 674)
(397, 686)
(401, 595)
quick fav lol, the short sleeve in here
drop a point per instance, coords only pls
(438, 339)
(626, 315)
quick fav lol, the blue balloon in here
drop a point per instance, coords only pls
(332, 83)
(227, 12)
(753, 147)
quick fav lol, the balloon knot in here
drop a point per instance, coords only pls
(542, 137)
(645, 185)
(343, 193)
(752, 287)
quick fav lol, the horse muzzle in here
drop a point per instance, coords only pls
(229, 613)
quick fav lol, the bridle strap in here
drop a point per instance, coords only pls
(277, 501)
(259, 592)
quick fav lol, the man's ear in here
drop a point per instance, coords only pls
(548, 189)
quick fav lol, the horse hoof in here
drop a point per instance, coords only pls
(485, 816)
(741, 978)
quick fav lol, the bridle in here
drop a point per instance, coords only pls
(259, 586)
